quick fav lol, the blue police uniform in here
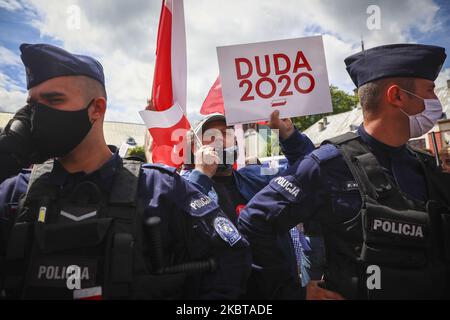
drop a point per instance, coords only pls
(322, 188)
(168, 196)
(249, 181)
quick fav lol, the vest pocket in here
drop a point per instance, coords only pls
(404, 284)
(395, 238)
(402, 228)
(60, 237)
(389, 256)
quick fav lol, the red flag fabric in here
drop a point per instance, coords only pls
(169, 80)
(214, 100)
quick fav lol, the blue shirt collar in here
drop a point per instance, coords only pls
(103, 176)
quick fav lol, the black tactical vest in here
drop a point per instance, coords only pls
(408, 241)
(84, 245)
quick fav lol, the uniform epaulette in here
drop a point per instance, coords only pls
(161, 167)
(325, 152)
(427, 158)
(423, 153)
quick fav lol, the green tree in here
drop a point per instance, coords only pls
(341, 102)
(136, 151)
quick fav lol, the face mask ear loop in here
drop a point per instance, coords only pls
(404, 112)
(87, 107)
(413, 94)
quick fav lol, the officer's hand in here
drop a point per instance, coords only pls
(16, 139)
(315, 292)
(207, 160)
(285, 126)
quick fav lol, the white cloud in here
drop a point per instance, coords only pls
(11, 95)
(122, 35)
(348, 19)
(9, 58)
(10, 5)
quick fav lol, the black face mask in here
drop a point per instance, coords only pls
(57, 132)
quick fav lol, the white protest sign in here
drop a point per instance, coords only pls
(285, 75)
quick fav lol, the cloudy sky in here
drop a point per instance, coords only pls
(122, 35)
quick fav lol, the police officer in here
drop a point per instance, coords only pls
(382, 205)
(91, 225)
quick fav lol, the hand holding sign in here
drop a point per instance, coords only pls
(285, 126)
(289, 75)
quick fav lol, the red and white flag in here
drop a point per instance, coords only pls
(169, 85)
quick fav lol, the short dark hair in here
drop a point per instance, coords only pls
(91, 88)
(370, 93)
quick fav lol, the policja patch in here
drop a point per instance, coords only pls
(226, 230)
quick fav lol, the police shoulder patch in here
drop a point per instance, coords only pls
(200, 205)
(227, 230)
(287, 187)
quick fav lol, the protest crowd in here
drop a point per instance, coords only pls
(363, 215)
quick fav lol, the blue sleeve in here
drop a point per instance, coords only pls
(10, 191)
(206, 238)
(195, 229)
(287, 200)
(6, 195)
(202, 182)
(269, 216)
(297, 145)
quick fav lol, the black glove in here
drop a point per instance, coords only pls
(16, 147)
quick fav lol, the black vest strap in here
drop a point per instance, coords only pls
(373, 182)
(126, 183)
(39, 187)
(343, 138)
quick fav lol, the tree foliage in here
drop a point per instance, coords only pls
(137, 151)
(341, 102)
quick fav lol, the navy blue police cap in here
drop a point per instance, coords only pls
(396, 60)
(43, 62)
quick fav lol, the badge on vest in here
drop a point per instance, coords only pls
(351, 185)
(398, 228)
(226, 230)
(78, 213)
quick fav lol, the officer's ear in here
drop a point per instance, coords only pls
(97, 109)
(395, 96)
